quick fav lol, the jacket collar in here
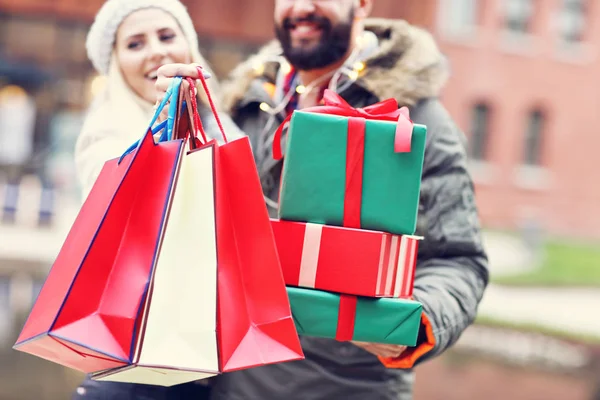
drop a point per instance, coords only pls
(407, 65)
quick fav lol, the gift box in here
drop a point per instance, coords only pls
(357, 168)
(346, 317)
(346, 260)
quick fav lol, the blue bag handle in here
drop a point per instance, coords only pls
(171, 94)
(161, 127)
(175, 85)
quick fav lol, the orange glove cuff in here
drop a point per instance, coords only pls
(410, 356)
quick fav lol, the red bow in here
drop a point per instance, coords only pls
(386, 110)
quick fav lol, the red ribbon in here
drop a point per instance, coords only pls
(355, 155)
(386, 110)
(346, 318)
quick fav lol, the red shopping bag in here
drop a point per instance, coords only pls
(254, 321)
(85, 315)
(251, 319)
(255, 325)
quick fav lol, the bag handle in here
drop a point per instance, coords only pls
(188, 124)
(189, 98)
(170, 96)
(173, 106)
(181, 124)
(192, 106)
(210, 100)
(167, 125)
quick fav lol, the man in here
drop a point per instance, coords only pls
(330, 44)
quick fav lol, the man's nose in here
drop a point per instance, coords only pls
(303, 7)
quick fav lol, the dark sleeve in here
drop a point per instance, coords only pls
(452, 271)
(211, 127)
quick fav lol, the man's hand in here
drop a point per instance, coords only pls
(381, 349)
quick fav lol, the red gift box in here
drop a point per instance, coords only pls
(345, 260)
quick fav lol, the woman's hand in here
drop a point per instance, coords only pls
(165, 75)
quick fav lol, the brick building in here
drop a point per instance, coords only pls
(524, 89)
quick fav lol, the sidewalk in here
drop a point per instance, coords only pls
(565, 309)
(571, 310)
(26, 242)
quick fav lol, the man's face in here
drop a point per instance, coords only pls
(314, 33)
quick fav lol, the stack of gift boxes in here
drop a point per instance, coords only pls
(347, 215)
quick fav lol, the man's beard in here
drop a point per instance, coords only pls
(332, 47)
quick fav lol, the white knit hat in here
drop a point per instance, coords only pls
(101, 37)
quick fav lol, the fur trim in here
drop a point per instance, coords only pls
(408, 65)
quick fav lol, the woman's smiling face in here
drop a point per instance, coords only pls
(146, 40)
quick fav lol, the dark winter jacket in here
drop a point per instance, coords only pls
(452, 265)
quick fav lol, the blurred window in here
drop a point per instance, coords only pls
(5, 310)
(518, 14)
(533, 138)
(571, 20)
(30, 39)
(17, 123)
(4, 292)
(480, 124)
(458, 15)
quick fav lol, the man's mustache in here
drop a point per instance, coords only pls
(321, 22)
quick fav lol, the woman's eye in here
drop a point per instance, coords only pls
(134, 45)
(167, 37)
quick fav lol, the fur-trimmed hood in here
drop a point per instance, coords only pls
(407, 66)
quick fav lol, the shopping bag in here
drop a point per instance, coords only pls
(247, 317)
(255, 325)
(86, 313)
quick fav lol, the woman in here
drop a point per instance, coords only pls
(128, 42)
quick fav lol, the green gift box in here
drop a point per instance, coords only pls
(363, 319)
(338, 171)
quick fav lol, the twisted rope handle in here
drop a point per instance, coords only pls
(191, 100)
(210, 100)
